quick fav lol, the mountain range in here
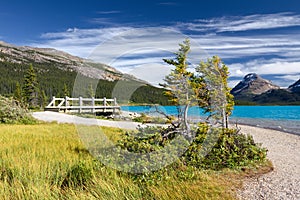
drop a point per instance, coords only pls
(253, 89)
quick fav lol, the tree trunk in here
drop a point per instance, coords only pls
(227, 120)
(185, 121)
(224, 121)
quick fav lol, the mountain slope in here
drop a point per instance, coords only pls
(25, 55)
(56, 69)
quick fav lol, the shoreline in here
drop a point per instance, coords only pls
(267, 128)
(287, 126)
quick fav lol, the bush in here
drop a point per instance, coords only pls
(11, 112)
(145, 140)
(230, 149)
(142, 151)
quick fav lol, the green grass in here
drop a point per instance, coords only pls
(35, 160)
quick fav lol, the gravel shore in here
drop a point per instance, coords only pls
(283, 151)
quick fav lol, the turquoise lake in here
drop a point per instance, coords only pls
(286, 118)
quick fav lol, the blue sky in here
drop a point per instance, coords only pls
(261, 36)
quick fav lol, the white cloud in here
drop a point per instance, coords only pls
(102, 21)
(265, 67)
(245, 46)
(243, 23)
(152, 73)
(280, 68)
(289, 77)
(168, 3)
(146, 45)
(108, 12)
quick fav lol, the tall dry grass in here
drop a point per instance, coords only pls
(35, 161)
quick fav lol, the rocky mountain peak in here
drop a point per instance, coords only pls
(251, 77)
(253, 84)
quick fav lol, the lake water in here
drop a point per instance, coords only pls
(286, 118)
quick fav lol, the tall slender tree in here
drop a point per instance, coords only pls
(30, 89)
(18, 93)
(179, 84)
(220, 102)
(43, 99)
(66, 91)
(90, 91)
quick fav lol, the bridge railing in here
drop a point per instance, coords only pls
(81, 105)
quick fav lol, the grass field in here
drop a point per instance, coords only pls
(36, 161)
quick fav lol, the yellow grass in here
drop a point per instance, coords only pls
(38, 155)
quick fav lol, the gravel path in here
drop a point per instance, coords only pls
(284, 181)
(65, 118)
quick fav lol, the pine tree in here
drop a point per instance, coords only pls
(220, 102)
(90, 91)
(43, 99)
(18, 93)
(30, 89)
(179, 84)
(66, 90)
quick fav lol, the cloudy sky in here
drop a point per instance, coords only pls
(261, 36)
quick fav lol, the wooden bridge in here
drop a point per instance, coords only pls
(83, 105)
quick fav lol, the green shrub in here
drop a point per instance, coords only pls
(230, 149)
(11, 112)
(145, 140)
(78, 176)
(141, 151)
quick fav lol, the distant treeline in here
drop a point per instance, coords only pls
(56, 80)
(272, 97)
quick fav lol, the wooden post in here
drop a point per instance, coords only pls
(104, 104)
(93, 104)
(66, 103)
(115, 104)
(80, 104)
(53, 99)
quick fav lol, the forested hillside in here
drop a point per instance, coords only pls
(53, 80)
